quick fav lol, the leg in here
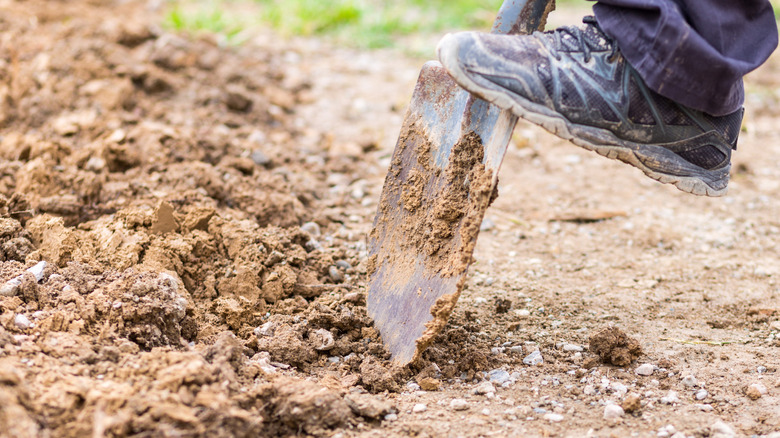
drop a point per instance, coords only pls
(694, 52)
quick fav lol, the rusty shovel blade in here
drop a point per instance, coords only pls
(442, 178)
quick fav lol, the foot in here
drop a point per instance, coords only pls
(575, 83)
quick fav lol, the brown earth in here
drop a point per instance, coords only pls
(203, 210)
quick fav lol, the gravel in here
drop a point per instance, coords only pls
(645, 369)
(21, 322)
(612, 412)
(458, 404)
(419, 407)
(534, 358)
(499, 377)
(671, 398)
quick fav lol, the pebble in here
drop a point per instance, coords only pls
(721, 430)
(589, 390)
(534, 358)
(411, 386)
(701, 394)
(499, 377)
(522, 312)
(11, 287)
(259, 157)
(612, 412)
(37, 271)
(312, 228)
(645, 369)
(419, 407)
(484, 388)
(343, 264)
(458, 404)
(573, 348)
(22, 322)
(666, 431)
(671, 398)
(335, 274)
(516, 349)
(618, 388)
(313, 245)
(761, 370)
(756, 391)
(678, 435)
(704, 407)
(391, 417)
(689, 381)
(553, 418)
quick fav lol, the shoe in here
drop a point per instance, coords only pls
(575, 83)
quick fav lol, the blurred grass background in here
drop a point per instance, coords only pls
(358, 23)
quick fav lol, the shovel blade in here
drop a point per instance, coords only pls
(441, 179)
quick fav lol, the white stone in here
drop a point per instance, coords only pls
(689, 381)
(759, 387)
(553, 418)
(499, 377)
(37, 271)
(484, 388)
(522, 312)
(671, 398)
(612, 412)
(589, 390)
(701, 394)
(645, 370)
(22, 322)
(534, 358)
(721, 430)
(419, 407)
(704, 407)
(573, 348)
(458, 404)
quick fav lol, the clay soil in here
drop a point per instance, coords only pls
(202, 213)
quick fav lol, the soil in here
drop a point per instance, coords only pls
(203, 211)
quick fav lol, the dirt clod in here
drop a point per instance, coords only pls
(615, 347)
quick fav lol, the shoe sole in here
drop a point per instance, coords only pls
(608, 145)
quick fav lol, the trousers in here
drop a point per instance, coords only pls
(695, 52)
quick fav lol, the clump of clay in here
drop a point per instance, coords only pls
(615, 347)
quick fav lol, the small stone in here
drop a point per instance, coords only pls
(484, 388)
(499, 377)
(678, 435)
(37, 271)
(612, 412)
(671, 398)
(761, 370)
(522, 312)
(689, 381)
(721, 430)
(11, 287)
(95, 164)
(335, 274)
(322, 340)
(391, 417)
(411, 386)
(618, 388)
(259, 157)
(553, 418)
(534, 358)
(343, 264)
(458, 404)
(573, 348)
(419, 407)
(645, 370)
(704, 407)
(589, 390)
(21, 322)
(701, 394)
(369, 406)
(430, 384)
(755, 391)
(632, 403)
(516, 349)
(312, 228)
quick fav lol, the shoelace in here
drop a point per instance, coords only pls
(582, 40)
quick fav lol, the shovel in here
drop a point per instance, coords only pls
(442, 178)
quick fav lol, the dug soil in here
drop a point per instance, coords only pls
(182, 253)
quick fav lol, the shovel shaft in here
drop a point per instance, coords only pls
(522, 16)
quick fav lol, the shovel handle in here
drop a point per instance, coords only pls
(522, 16)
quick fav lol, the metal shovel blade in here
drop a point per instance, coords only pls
(442, 178)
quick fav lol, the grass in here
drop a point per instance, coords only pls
(361, 23)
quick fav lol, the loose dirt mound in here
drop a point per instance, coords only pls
(163, 182)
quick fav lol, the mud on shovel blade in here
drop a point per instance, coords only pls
(442, 178)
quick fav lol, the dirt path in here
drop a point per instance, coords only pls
(202, 214)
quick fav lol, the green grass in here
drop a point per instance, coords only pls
(361, 23)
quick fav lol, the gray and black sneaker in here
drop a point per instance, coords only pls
(575, 83)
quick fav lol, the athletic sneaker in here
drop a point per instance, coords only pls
(575, 83)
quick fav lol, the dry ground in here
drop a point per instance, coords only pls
(173, 187)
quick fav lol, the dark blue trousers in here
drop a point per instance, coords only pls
(694, 52)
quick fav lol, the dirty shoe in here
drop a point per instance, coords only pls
(575, 83)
